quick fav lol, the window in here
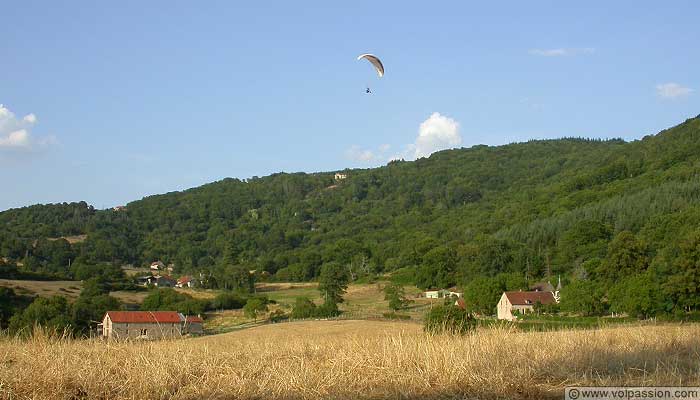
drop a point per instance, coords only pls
(143, 332)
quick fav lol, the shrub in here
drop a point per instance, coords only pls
(192, 306)
(327, 310)
(396, 296)
(303, 308)
(228, 301)
(278, 316)
(393, 315)
(169, 299)
(253, 306)
(52, 313)
(449, 319)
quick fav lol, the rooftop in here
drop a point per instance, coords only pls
(528, 298)
(134, 317)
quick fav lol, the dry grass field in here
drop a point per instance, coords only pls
(362, 301)
(349, 360)
(69, 289)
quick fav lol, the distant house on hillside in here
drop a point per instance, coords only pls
(442, 293)
(512, 303)
(186, 282)
(147, 325)
(157, 266)
(119, 208)
(339, 176)
(157, 280)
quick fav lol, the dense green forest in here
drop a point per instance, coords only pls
(617, 221)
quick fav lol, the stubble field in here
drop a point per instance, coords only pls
(349, 360)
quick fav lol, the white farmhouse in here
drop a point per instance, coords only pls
(512, 303)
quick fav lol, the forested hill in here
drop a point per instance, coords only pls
(544, 207)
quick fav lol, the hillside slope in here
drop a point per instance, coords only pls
(539, 208)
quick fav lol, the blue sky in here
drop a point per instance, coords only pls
(111, 101)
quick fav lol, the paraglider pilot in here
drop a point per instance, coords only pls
(376, 63)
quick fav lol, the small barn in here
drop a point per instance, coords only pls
(512, 303)
(194, 325)
(142, 324)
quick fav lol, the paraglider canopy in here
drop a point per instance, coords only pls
(375, 62)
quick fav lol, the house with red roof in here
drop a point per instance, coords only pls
(121, 325)
(157, 266)
(186, 282)
(513, 303)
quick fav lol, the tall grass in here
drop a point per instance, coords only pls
(348, 360)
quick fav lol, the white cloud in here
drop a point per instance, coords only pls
(357, 153)
(30, 119)
(672, 90)
(15, 139)
(16, 133)
(436, 133)
(561, 52)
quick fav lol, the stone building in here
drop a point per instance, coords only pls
(121, 325)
